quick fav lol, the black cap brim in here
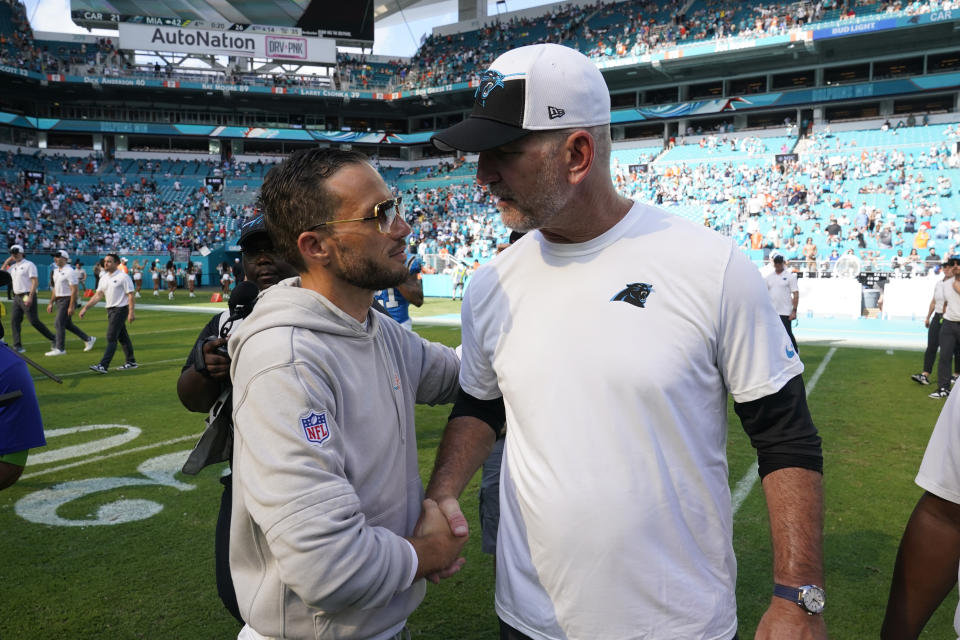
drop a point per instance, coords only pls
(249, 235)
(476, 134)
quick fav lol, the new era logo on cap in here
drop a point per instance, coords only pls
(535, 88)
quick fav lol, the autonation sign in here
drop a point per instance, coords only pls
(227, 43)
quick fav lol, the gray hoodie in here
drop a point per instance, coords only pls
(325, 476)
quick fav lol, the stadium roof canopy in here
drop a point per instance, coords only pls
(386, 8)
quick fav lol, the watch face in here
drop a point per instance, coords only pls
(812, 599)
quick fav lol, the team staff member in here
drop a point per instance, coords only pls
(929, 555)
(932, 321)
(327, 493)
(65, 291)
(21, 427)
(652, 554)
(206, 376)
(397, 300)
(117, 288)
(785, 293)
(24, 275)
(949, 332)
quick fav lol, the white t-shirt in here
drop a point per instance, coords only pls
(938, 297)
(22, 272)
(63, 279)
(616, 519)
(781, 287)
(940, 470)
(115, 287)
(952, 312)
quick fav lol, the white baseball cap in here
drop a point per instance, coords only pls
(535, 88)
(60, 253)
(15, 248)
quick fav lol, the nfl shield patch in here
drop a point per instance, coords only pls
(315, 427)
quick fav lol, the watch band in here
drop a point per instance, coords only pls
(787, 593)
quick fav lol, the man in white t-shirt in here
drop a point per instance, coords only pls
(785, 294)
(949, 331)
(612, 366)
(64, 298)
(116, 288)
(929, 556)
(25, 283)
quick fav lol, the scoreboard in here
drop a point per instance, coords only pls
(351, 20)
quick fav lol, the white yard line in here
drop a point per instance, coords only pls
(745, 484)
(106, 456)
(88, 372)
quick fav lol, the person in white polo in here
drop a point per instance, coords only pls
(66, 282)
(24, 274)
(117, 288)
(785, 294)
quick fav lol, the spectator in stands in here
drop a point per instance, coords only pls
(933, 259)
(909, 223)
(913, 260)
(885, 236)
(809, 252)
(834, 231)
(921, 238)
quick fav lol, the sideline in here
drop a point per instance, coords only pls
(107, 456)
(745, 484)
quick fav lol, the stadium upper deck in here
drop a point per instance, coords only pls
(891, 189)
(627, 30)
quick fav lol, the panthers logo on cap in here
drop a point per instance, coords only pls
(489, 81)
(635, 293)
(252, 221)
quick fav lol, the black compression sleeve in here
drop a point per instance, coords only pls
(489, 411)
(781, 429)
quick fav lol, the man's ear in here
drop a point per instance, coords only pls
(315, 247)
(580, 151)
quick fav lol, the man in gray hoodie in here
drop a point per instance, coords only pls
(330, 536)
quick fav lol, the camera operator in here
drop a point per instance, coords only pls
(205, 382)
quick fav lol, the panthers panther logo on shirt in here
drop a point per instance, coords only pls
(635, 293)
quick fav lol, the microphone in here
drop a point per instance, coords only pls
(241, 303)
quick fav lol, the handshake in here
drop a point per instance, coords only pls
(438, 539)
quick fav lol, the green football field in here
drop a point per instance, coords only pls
(104, 538)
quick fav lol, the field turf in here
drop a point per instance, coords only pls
(105, 539)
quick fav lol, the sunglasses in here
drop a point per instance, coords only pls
(383, 212)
